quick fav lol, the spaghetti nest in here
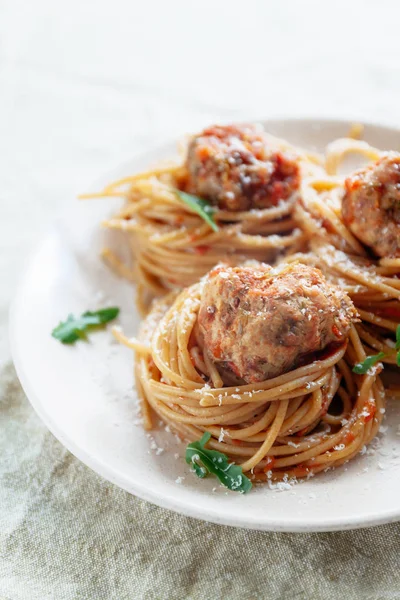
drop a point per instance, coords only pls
(172, 246)
(304, 421)
(319, 208)
(373, 286)
(371, 281)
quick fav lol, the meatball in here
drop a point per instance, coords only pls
(371, 205)
(233, 167)
(262, 322)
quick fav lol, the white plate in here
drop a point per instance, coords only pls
(84, 393)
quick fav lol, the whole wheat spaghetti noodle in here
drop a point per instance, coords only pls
(304, 421)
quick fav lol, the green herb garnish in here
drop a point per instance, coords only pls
(75, 328)
(398, 345)
(205, 461)
(203, 208)
(362, 367)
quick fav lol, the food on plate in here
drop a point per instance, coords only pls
(230, 198)
(352, 222)
(373, 286)
(263, 322)
(276, 411)
(76, 328)
(234, 167)
(371, 205)
(271, 284)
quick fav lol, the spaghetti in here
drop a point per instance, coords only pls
(318, 210)
(295, 422)
(373, 287)
(371, 282)
(172, 246)
(275, 429)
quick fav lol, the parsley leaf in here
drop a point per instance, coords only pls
(75, 328)
(205, 461)
(203, 208)
(364, 366)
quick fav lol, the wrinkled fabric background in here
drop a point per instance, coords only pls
(84, 84)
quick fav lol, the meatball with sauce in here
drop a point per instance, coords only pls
(233, 167)
(371, 205)
(262, 322)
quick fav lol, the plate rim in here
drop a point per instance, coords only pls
(136, 487)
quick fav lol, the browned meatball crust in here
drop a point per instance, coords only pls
(371, 205)
(233, 167)
(262, 322)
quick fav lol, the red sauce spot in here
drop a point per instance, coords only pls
(301, 471)
(214, 272)
(352, 183)
(203, 152)
(389, 311)
(217, 350)
(233, 368)
(336, 332)
(370, 408)
(270, 463)
(350, 437)
(201, 249)
(327, 225)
